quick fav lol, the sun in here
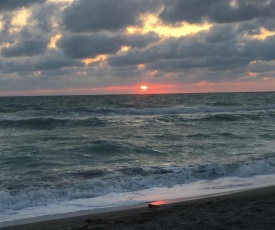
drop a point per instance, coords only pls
(144, 87)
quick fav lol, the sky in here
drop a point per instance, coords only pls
(65, 47)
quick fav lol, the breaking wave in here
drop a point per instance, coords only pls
(94, 183)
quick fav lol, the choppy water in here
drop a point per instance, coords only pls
(55, 150)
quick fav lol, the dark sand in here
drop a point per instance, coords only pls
(254, 209)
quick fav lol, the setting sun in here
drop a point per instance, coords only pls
(144, 87)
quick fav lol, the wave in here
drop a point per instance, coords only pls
(110, 111)
(178, 110)
(94, 183)
(99, 116)
(50, 123)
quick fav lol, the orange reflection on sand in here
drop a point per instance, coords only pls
(159, 202)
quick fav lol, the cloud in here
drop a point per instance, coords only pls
(43, 63)
(91, 45)
(30, 47)
(55, 64)
(218, 11)
(94, 15)
(47, 16)
(221, 48)
(9, 5)
(48, 44)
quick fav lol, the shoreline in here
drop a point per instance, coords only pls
(102, 210)
(245, 208)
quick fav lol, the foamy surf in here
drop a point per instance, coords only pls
(120, 201)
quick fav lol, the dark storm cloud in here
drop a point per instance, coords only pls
(139, 41)
(221, 34)
(8, 5)
(55, 61)
(83, 46)
(95, 15)
(223, 47)
(219, 11)
(88, 46)
(40, 64)
(168, 49)
(15, 66)
(212, 63)
(30, 47)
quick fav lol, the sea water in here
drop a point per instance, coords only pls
(69, 153)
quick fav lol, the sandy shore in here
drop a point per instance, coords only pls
(254, 209)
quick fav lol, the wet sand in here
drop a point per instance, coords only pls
(253, 209)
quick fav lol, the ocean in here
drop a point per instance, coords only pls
(61, 154)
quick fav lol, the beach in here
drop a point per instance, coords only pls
(251, 209)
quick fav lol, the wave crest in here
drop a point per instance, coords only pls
(98, 183)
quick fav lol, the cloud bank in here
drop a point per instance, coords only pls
(94, 46)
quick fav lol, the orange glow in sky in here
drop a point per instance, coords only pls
(205, 87)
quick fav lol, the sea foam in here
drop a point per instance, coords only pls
(130, 180)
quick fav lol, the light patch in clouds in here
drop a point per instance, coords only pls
(53, 40)
(152, 23)
(1, 23)
(99, 59)
(141, 66)
(5, 45)
(262, 35)
(21, 17)
(154, 72)
(234, 4)
(124, 49)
